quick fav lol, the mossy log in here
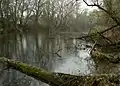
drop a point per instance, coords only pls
(100, 56)
(61, 79)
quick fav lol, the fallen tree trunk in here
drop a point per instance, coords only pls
(61, 79)
(99, 56)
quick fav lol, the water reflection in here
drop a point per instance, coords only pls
(76, 64)
(72, 64)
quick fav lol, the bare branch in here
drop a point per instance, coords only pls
(108, 29)
(57, 53)
(108, 40)
(109, 13)
(92, 48)
(101, 32)
(97, 5)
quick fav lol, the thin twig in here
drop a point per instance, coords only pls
(57, 53)
(68, 81)
(92, 47)
(101, 32)
(108, 29)
(115, 18)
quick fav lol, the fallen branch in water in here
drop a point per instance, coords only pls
(98, 56)
(61, 79)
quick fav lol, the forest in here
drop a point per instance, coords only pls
(42, 41)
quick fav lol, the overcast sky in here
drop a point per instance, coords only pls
(84, 6)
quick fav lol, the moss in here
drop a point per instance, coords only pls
(32, 71)
(98, 56)
(90, 80)
(94, 34)
(100, 80)
(61, 79)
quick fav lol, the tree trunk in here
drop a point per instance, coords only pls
(61, 79)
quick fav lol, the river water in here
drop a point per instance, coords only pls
(40, 53)
(75, 61)
(74, 64)
(72, 61)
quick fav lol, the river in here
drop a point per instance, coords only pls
(39, 51)
(76, 64)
